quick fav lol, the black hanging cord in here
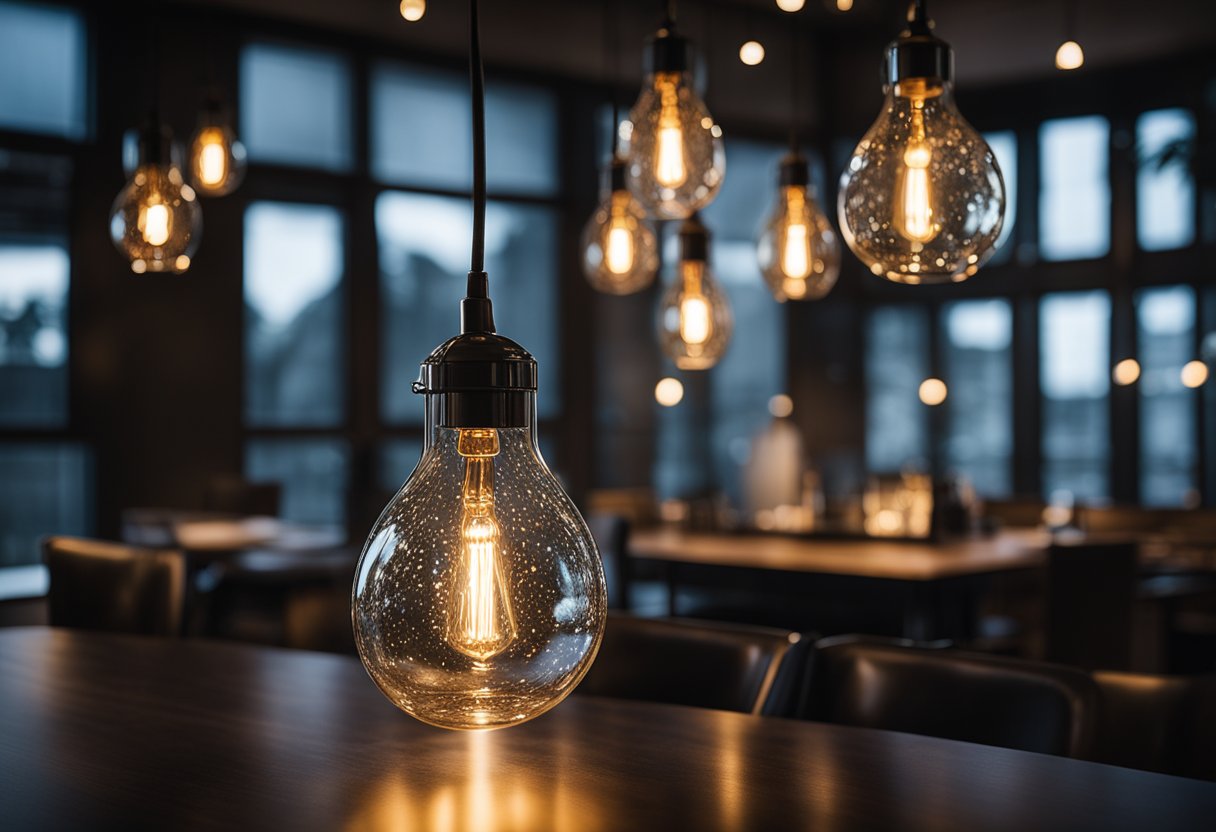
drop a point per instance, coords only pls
(609, 8)
(918, 17)
(669, 13)
(794, 97)
(477, 263)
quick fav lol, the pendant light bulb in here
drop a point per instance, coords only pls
(620, 251)
(676, 158)
(695, 320)
(1069, 55)
(798, 251)
(156, 222)
(217, 158)
(479, 599)
(413, 10)
(922, 199)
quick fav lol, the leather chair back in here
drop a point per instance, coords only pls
(1091, 597)
(97, 585)
(894, 685)
(699, 663)
(237, 495)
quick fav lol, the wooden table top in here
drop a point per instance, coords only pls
(871, 558)
(109, 732)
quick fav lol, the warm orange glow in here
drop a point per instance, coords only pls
(751, 53)
(669, 392)
(670, 169)
(1069, 55)
(1194, 374)
(1126, 372)
(413, 10)
(932, 391)
(154, 221)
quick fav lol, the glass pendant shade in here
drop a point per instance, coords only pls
(695, 320)
(620, 251)
(217, 158)
(676, 158)
(922, 199)
(798, 252)
(479, 598)
(156, 221)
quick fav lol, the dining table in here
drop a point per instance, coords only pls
(103, 731)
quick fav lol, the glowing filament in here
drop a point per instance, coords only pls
(481, 623)
(212, 164)
(669, 167)
(696, 317)
(154, 222)
(796, 247)
(618, 248)
(914, 216)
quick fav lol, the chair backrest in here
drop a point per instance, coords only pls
(1157, 723)
(97, 585)
(730, 667)
(1018, 512)
(895, 685)
(237, 495)
(611, 533)
(1091, 596)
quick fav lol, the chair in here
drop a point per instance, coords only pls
(1091, 597)
(699, 663)
(97, 585)
(237, 495)
(895, 685)
(1019, 512)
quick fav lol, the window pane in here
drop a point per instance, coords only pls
(1074, 344)
(33, 334)
(522, 158)
(977, 362)
(1004, 145)
(1165, 326)
(313, 473)
(424, 261)
(294, 311)
(753, 369)
(42, 70)
(897, 361)
(397, 460)
(295, 107)
(748, 194)
(44, 489)
(1165, 189)
(1074, 182)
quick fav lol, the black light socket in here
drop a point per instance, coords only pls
(668, 51)
(479, 380)
(794, 172)
(917, 52)
(694, 240)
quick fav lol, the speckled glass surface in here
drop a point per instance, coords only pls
(620, 252)
(156, 221)
(798, 252)
(695, 322)
(406, 590)
(967, 193)
(668, 101)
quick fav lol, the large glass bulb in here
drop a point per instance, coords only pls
(479, 599)
(695, 320)
(676, 158)
(156, 222)
(798, 251)
(620, 252)
(217, 158)
(922, 199)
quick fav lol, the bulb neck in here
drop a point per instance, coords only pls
(616, 177)
(668, 52)
(918, 53)
(478, 380)
(794, 172)
(694, 240)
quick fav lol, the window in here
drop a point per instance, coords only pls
(522, 158)
(295, 107)
(1165, 189)
(293, 315)
(1074, 372)
(43, 70)
(424, 260)
(978, 368)
(1074, 188)
(397, 460)
(313, 473)
(1165, 326)
(1004, 146)
(44, 489)
(33, 334)
(897, 361)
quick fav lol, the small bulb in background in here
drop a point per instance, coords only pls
(217, 158)
(798, 253)
(1069, 55)
(781, 406)
(413, 10)
(669, 392)
(620, 250)
(844, 5)
(932, 391)
(751, 53)
(1194, 374)
(695, 320)
(1126, 372)
(791, 5)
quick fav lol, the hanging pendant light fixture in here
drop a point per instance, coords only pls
(695, 320)
(217, 158)
(479, 599)
(620, 251)
(922, 199)
(676, 158)
(1069, 55)
(798, 252)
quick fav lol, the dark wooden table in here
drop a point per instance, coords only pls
(112, 732)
